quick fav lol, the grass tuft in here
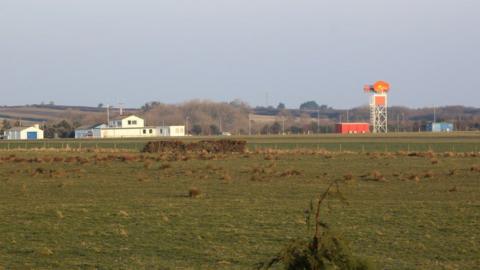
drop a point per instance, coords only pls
(194, 192)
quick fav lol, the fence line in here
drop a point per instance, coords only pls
(328, 146)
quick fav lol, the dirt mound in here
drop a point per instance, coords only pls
(209, 146)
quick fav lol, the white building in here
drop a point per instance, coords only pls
(131, 121)
(92, 131)
(128, 127)
(24, 133)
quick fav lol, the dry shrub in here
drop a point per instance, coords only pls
(59, 214)
(448, 154)
(434, 161)
(19, 160)
(45, 251)
(256, 178)
(147, 164)
(70, 159)
(452, 172)
(52, 173)
(430, 154)
(414, 177)
(226, 177)
(291, 172)
(194, 192)
(58, 159)
(123, 213)
(268, 157)
(83, 160)
(126, 158)
(377, 176)
(428, 174)
(454, 189)
(123, 232)
(348, 177)
(475, 168)
(165, 166)
(209, 146)
(142, 178)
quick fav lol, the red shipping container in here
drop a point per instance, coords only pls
(353, 128)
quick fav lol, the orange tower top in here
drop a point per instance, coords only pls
(379, 87)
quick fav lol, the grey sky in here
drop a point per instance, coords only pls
(83, 52)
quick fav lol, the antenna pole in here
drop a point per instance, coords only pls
(249, 125)
(318, 121)
(108, 115)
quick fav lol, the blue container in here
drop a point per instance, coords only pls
(440, 127)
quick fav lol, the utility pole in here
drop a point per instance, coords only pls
(318, 121)
(108, 115)
(283, 125)
(434, 114)
(398, 122)
(120, 106)
(186, 124)
(249, 125)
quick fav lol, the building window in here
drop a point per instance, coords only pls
(151, 131)
(134, 122)
(129, 122)
(144, 131)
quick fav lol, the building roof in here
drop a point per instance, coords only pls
(85, 127)
(17, 128)
(121, 117)
(21, 128)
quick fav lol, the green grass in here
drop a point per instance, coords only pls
(136, 214)
(439, 142)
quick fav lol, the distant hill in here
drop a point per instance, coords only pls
(55, 113)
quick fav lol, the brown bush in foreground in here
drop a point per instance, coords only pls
(210, 146)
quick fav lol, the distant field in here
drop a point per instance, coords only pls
(84, 210)
(452, 142)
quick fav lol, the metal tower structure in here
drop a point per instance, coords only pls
(378, 106)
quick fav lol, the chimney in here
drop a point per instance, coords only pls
(36, 126)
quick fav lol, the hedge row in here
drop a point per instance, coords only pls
(210, 146)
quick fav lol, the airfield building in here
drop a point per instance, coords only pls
(439, 127)
(128, 127)
(24, 133)
(353, 128)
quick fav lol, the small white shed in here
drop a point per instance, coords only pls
(24, 133)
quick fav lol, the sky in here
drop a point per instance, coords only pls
(86, 52)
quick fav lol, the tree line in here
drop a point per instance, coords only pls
(203, 117)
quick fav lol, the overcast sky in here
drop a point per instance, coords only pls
(83, 52)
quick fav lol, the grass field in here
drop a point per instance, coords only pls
(439, 142)
(95, 210)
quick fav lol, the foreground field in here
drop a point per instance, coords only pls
(87, 210)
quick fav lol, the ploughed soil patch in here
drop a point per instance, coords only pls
(209, 146)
